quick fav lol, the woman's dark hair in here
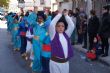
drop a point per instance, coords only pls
(77, 9)
(53, 15)
(16, 17)
(22, 14)
(62, 19)
(50, 13)
(107, 8)
(93, 12)
(27, 13)
(41, 14)
(70, 12)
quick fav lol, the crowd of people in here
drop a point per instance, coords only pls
(45, 37)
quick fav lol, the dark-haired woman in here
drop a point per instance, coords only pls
(93, 27)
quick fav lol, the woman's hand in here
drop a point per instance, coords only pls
(36, 37)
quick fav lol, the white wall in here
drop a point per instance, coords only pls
(37, 2)
(66, 5)
(13, 6)
(48, 3)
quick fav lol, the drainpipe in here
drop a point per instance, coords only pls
(72, 4)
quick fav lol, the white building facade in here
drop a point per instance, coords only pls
(41, 4)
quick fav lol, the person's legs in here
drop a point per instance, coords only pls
(37, 66)
(80, 38)
(23, 44)
(102, 45)
(91, 38)
(85, 40)
(45, 65)
(106, 46)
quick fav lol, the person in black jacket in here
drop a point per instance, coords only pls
(105, 31)
(93, 27)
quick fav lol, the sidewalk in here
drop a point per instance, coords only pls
(105, 60)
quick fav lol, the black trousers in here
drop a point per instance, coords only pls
(91, 40)
(45, 65)
(105, 45)
(85, 39)
(23, 44)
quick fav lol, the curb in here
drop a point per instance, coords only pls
(104, 60)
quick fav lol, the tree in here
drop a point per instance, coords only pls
(4, 3)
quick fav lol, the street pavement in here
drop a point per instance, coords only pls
(79, 64)
(105, 60)
(11, 62)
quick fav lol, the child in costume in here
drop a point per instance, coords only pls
(61, 49)
(22, 33)
(46, 47)
(39, 32)
(16, 37)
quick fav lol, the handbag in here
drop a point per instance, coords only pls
(91, 55)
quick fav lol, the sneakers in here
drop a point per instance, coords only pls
(16, 49)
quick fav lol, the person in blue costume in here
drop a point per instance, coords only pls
(22, 33)
(16, 37)
(39, 32)
(6, 17)
(9, 19)
(46, 48)
(46, 54)
(26, 18)
(32, 18)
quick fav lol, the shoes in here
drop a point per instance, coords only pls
(31, 64)
(104, 55)
(24, 55)
(84, 46)
(16, 49)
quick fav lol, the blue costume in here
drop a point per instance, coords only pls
(46, 48)
(32, 18)
(16, 38)
(37, 46)
(22, 33)
(9, 19)
(39, 30)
